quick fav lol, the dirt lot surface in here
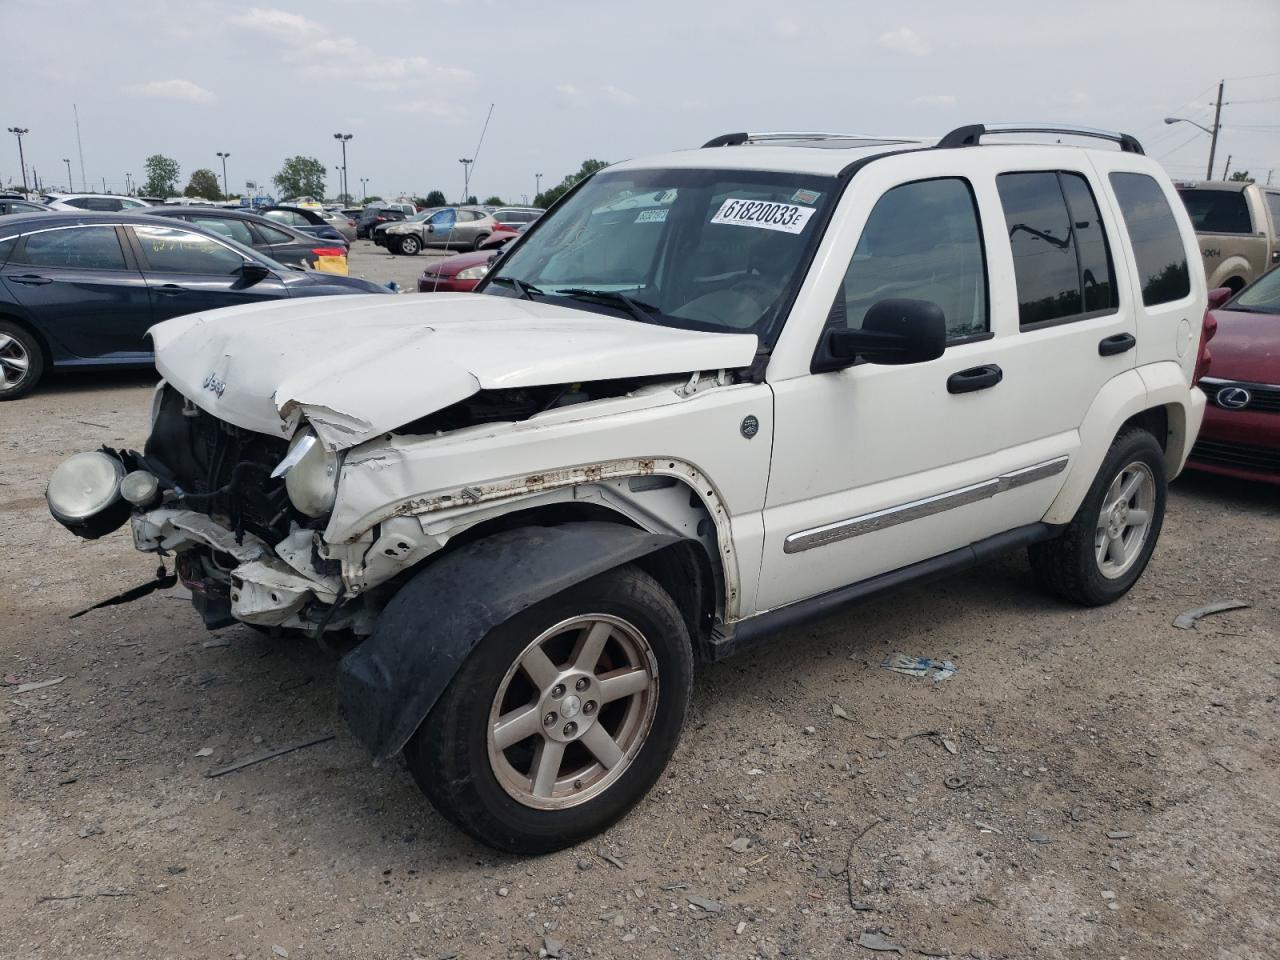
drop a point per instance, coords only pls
(371, 262)
(1089, 783)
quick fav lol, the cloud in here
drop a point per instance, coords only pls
(171, 90)
(904, 40)
(618, 95)
(279, 23)
(786, 29)
(935, 100)
(448, 112)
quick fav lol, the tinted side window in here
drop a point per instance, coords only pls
(83, 248)
(1273, 204)
(1044, 256)
(273, 235)
(1092, 249)
(235, 229)
(170, 250)
(6, 248)
(1217, 211)
(922, 241)
(1153, 232)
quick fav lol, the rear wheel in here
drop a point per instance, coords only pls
(1105, 548)
(562, 718)
(478, 241)
(409, 246)
(21, 361)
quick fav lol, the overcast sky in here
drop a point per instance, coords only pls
(571, 79)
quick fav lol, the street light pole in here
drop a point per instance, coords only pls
(70, 188)
(364, 190)
(343, 138)
(22, 160)
(466, 176)
(537, 180)
(223, 157)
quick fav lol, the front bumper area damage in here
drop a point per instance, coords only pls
(244, 579)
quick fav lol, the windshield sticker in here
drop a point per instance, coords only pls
(763, 214)
(652, 216)
(805, 196)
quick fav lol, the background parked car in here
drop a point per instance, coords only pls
(8, 206)
(461, 272)
(96, 202)
(515, 216)
(81, 290)
(1240, 436)
(371, 217)
(281, 243)
(1238, 224)
(447, 227)
(308, 220)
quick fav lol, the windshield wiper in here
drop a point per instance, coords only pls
(524, 290)
(643, 312)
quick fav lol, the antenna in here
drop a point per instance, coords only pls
(471, 164)
(84, 184)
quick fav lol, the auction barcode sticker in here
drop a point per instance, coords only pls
(764, 214)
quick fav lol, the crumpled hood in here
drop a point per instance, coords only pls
(357, 366)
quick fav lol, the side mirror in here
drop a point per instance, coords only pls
(1218, 296)
(893, 332)
(252, 272)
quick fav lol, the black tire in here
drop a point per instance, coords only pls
(475, 244)
(18, 347)
(409, 246)
(1068, 565)
(449, 755)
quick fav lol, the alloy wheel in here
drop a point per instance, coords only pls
(14, 361)
(573, 711)
(1124, 520)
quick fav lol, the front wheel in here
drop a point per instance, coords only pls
(1105, 548)
(409, 246)
(21, 361)
(562, 718)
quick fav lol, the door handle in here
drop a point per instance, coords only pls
(1120, 343)
(31, 279)
(975, 378)
(169, 289)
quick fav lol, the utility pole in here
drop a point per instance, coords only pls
(70, 186)
(19, 132)
(1213, 143)
(343, 138)
(223, 157)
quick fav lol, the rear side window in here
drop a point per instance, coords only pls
(921, 242)
(1217, 211)
(6, 248)
(235, 229)
(1153, 232)
(1273, 205)
(1061, 258)
(272, 235)
(78, 248)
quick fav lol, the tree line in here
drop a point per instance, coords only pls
(305, 176)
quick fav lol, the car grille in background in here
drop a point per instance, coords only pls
(203, 454)
(1262, 396)
(1214, 453)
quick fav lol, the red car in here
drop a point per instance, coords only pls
(1241, 432)
(457, 274)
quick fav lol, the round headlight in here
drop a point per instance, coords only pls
(84, 494)
(141, 488)
(312, 482)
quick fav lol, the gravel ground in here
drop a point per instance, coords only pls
(1089, 784)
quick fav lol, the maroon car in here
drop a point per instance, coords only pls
(457, 274)
(1241, 432)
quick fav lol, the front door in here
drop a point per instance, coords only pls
(188, 272)
(878, 467)
(82, 291)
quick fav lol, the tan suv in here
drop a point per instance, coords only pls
(1238, 225)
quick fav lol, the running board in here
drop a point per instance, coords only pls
(728, 639)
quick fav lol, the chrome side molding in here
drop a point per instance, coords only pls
(924, 507)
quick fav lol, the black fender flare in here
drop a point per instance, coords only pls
(388, 685)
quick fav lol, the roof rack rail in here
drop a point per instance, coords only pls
(971, 135)
(735, 139)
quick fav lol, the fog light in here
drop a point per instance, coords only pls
(141, 488)
(84, 494)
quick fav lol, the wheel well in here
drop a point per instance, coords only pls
(1155, 421)
(35, 334)
(1234, 284)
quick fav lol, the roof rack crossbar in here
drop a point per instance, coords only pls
(735, 139)
(972, 134)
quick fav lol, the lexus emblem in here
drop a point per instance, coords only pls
(1234, 398)
(750, 426)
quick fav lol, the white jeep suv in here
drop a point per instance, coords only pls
(709, 395)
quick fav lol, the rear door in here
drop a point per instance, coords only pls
(187, 272)
(285, 247)
(84, 290)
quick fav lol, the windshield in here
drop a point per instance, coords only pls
(1263, 296)
(717, 250)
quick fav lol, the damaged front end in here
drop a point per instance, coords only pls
(239, 510)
